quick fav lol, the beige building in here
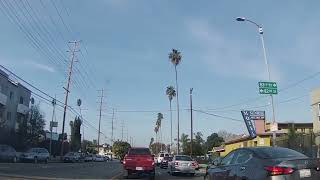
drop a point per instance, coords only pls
(315, 100)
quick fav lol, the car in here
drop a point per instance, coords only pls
(139, 161)
(98, 158)
(106, 158)
(265, 163)
(8, 154)
(161, 155)
(165, 161)
(36, 155)
(88, 158)
(72, 157)
(182, 164)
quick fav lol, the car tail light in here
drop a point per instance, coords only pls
(193, 164)
(276, 170)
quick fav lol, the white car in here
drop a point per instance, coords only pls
(98, 158)
(161, 156)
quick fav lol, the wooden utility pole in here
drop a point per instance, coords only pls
(73, 51)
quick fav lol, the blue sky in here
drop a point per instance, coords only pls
(126, 45)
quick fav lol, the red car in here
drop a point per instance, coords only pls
(139, 161)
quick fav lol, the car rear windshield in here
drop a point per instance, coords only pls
(183, 158)
(274, 153)
(139, 151)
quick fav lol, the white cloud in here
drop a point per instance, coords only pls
(42, 66)
(226, 57)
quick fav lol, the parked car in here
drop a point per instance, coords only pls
(98, 158)
(8, 154)
(88, 158)
(139, 161)
(72, 157)
(265, 163)
(164, 163)
(182, 164)
(36, 155)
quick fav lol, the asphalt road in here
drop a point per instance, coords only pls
(88, 170)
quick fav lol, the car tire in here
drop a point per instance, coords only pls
(35, 159)
(46, 161)
(192, 174)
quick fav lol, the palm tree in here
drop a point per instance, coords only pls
(175, 58)
(170, 92)
(158, 124)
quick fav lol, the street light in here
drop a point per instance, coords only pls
(260, 30)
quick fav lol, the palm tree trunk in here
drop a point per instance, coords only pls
(170, 126)
(177, 89)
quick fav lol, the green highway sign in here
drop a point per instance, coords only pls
(268, 88)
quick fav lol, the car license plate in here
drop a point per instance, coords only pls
(139, 168)
(305, 173)
(184, 164)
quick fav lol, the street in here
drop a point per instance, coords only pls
(88, 170)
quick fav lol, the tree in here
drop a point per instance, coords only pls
(120, 148)
(185, 144)
(213, 140)
(30, 128)
(292, 136)
(155, 147)
(175, 58)
(75, 134)
(171, 93)
(151, 142)
(226, 135)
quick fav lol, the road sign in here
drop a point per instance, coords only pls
(257, 115)
(248, 121)
(53, 124)
(268, 88)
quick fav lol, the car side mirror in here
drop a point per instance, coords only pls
(217, 162)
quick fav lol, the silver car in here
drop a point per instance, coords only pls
(264, 163)
(36, 155)
(8, 153)
(182, 164)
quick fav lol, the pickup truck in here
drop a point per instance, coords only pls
(139, 161)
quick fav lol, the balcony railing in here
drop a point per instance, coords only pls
(22, 109)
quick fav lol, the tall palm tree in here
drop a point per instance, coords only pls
(175, 58)
(170, 92)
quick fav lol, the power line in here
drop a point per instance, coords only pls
(215, 115)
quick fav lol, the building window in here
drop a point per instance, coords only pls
(11, 95)
(21, 100)
(8, 116)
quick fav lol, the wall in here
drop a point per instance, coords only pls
(259, 141)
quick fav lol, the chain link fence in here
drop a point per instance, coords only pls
(303, 143)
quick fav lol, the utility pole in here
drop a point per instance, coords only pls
(73, 51)
(100, 110)
(127, 134)
(122, 125)
(112, 127)
(51, 124)
(191, 118)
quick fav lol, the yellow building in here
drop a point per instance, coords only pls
(246, 141)
(264, 136)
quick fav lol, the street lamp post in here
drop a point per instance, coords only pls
(260, 30)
